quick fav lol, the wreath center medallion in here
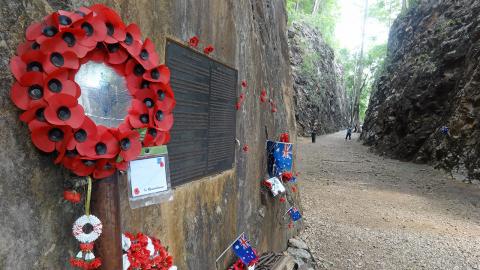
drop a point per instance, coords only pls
(89, 86)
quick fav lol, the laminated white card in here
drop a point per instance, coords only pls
(148, 176)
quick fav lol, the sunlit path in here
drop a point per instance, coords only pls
(366, 212)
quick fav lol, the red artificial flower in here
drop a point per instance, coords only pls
(56, 60)
(130, 146)
(83, 136)
(67, 41)
(94, 27)
(81, 167)
(34, 116)
(72, 196)
(290, 225)
(163, 117)
(116, 54)
(58, 82)
(106, 146)
(156, 137)
(113, 22)
(159, 74)
(104, 168)
(27, 46)
(138, 115)
(294, 189)
(193, 42)
(209, 49)
(65, 19)
(148, 57)
(134, 75)
(29, 61)
(245, 148)
(133, 37)
(237, 106)
(64, 110)
(49, 138)
(43, 30)
(282, 199)
(244, 84)
(286, 176)
(263, 95)
(28, 91)
(284, 137)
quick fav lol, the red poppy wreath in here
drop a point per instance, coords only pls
(45, 88)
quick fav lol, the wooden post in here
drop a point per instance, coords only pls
(106, 206)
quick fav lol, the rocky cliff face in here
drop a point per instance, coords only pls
(320, 97)
(206, 215)
(431, 80)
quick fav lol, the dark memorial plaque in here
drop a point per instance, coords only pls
(203, 134)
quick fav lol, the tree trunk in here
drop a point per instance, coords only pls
(404, 5)
(297, 3)
(357, 83)
(316, 6)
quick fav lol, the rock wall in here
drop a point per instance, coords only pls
(205, 215)
(431, 80)
(320, 97)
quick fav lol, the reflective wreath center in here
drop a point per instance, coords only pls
(45, 67)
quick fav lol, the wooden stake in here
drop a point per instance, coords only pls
(106, 206)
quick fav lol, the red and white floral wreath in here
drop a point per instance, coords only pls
(45, 69)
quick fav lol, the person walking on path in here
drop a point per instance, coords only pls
(349, 134)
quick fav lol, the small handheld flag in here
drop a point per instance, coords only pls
(294, 213)
(243, 250)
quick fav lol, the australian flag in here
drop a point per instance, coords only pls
(280, 157)
(294, 214)
(243, 250)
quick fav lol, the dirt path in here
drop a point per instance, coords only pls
(363, 211)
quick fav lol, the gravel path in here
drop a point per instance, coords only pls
(362, 211)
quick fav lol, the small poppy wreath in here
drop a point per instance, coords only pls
(45, 89)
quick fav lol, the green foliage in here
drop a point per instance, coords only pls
(324, 20)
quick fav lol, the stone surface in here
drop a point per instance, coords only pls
(431, 80)
(249, 35)
(320, 97)
(299, 253)
(297, 243)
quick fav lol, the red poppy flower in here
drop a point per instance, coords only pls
(42, 31)
(162, 118)
(284, 137)
(97, 55)
(133, 37)
(263, 95)
(56, 60)
(72, 196)
(244, 84)
(49, 138)
(193, 42)
(148, 57)
(155, 137)
(113, 22)
(94, 28)
(209, 49)
(159, 74)
(28, 91)
(29, 61)
(294, 189)
(138, 115)
(116, 54)
(57, 82)
(85, 134)
(282, 199)
(67, 41)
(245, 148)
(27, 46)
(130, 146)
(134, 75)
(286, 176)
(64, 110)
(65, 19)
(267, 184)
(104, 168)
(35, 113)
(237, 106)
(290, 225)
(106, 146)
